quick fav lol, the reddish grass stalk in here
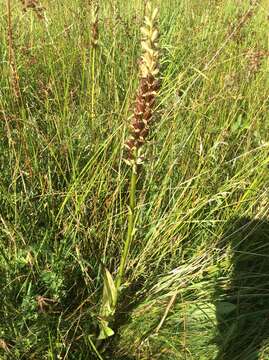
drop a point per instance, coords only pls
(11, 55)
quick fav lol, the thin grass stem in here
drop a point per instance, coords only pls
(93, 83)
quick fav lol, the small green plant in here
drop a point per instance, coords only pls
(141, 123)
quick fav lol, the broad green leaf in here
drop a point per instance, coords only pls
(108, 306)
(105, 331)
(110, 288)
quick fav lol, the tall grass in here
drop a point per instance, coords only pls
(64, 184)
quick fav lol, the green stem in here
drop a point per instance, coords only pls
(93, 83)
(130, 232)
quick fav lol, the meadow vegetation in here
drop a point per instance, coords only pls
(197, 279)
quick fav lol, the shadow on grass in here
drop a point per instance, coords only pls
(243, 311)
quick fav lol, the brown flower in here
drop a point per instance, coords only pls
(148, 88)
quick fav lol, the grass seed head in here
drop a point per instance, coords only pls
(35, 6)
(255, 59)
(95, 21)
